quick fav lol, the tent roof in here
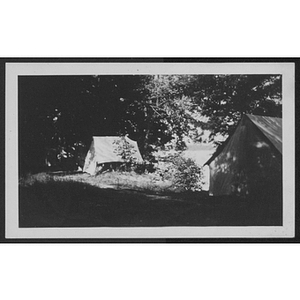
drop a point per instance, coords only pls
(105, 148)
(107, 138)
(271, 128)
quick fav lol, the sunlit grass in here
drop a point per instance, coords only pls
(116, 180)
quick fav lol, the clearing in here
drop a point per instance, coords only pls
(130, 200)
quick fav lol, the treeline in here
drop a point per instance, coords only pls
(58, 115)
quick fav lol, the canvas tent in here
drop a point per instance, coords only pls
(250, 160)
(104, 149)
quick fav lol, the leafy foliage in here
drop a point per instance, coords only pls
(126, 152)
(223, 99)
(64, 112)
(188, 174)
(184, 173)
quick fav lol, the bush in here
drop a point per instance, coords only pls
(185, 174)
(126, 152)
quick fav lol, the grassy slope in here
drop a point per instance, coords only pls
(125, 199)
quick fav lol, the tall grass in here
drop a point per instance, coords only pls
(31, 179)
(116, 180)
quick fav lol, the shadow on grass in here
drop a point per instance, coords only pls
(77, 204)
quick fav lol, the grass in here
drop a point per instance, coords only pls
(126, 199)
(115, 180)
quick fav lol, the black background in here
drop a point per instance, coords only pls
(145, 60)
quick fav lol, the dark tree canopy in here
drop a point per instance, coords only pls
(58, 115)
(223, 99)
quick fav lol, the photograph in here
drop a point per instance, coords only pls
(149, 150)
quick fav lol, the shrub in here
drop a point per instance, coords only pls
(126, 152)
(185, 174)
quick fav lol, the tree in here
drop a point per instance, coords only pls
(225, 98)
(221, 99)
(167, 101)
(64, 112)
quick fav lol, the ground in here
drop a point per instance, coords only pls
(127, 200)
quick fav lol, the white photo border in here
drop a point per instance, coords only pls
(15, 69)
